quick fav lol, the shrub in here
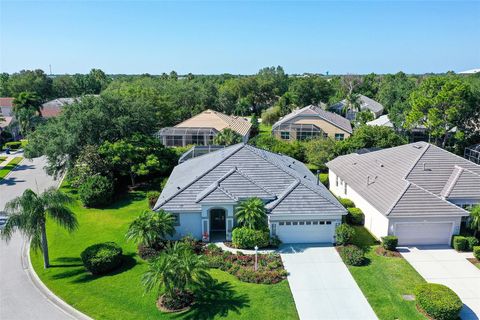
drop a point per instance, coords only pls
(471, 243)
(324, 179)
(152, 197)
(352, 255)
(102, 257)
(14, 145)
(460, 243)
(96, 191)
(355, 216)
(246, 238)
(476, 252)
(347, 203)
(275, 242)
(390, 243)
(344, 234)
(438, 301)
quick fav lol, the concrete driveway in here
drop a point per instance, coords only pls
(21, 297)
(444, 265)
(321, 284)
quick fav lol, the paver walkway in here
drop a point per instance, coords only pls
(446, 266)
(322, 286)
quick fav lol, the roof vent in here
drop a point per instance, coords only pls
(371, 180)
(425, 167)
(416, 146)
(178, 188)
(379, 163)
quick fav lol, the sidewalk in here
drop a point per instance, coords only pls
(244, 251)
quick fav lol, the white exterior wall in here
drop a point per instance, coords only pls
(375, 222)
(456, 221)
(190, 224)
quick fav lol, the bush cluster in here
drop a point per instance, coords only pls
(390, 243)
(352, 255)
(102, 257)
(347, 203)
(324, 179)
(97, 191)
(344, 234)
(461, 243)
(476, 252)
(152, 197)
(438, 301)
(246, 238)
(355, 216)
(472, 242)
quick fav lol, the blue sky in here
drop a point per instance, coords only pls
(240, 36)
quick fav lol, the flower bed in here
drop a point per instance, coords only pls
(381, 251)
(270, 267)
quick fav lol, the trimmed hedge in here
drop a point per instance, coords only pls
(347, 203)
(438, 301)
(324, 179)
(352, 255)
(476, 252)
(471, 243)
(246, 238)
(390, 243)
(101, 258)
(355, 216)
(14, 145)
(344, 234)
(97, 191)
(460, 243)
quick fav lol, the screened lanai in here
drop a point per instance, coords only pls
(297, 131)
(183, 136)
(472, 153)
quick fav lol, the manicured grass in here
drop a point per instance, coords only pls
(9, 167)
(384, 280)
(121, 296)
(2, 158)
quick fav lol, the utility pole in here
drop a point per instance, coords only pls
(50, 66)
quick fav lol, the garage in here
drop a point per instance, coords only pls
(310, 231)
(424, 233)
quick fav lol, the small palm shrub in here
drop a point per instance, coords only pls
(355, 216)
(438, 301)
(352, 255)
(102, 258)
(390, 243)
(251, 213)
(344, 234)
(347, 203)
(460, 243)
(151, 228)
(246, 238)
(97, 191)
(476, 252)
(152, 197)
(471, 243)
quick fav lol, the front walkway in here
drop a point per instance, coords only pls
(321, 284)
(244, 251)
(446, 266)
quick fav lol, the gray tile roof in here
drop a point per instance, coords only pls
(242, 171)
(365, 103)
(396, 180)
(315, 111)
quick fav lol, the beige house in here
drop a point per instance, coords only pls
(311, 122)
(202, 128)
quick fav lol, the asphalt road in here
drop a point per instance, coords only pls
(20, 298)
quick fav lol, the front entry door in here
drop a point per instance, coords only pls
(217, 220)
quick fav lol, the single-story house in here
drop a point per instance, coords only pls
(53, 107)
(6, 107)
(365, 104)
(416, 192)
(202, 128)
(6, 113)
(203, 192)
(312, 121)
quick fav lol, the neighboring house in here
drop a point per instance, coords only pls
(416, 192)
(365, 104)
(202, 194)
(472, 153)
(382, 121)
(6, 112)
(202, 128)
(6, 107)
(53, 107)
(471, 71)
(312, 121)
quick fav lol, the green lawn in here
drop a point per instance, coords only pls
(2, 158)
(384, 280)
(121, 296)
(9, 167)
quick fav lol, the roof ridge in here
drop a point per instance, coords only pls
(213, 166)
(204, 111)
(216, 184)
(438, 197)
(323, 196)
(399, 197)
(418, 158)
(243, 174)
(283, 195)
(457, 170)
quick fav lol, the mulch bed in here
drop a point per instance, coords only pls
(163, 308)
(474, 261)
(381, 251)
(419, 309)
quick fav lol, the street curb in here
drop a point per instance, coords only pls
(49, 295)
(11, 171)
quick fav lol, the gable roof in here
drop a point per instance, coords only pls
(243, 171)
(365, 103)
(393, 180)
(383, 121)
(53, 107)
(315, 111)
(217, 120)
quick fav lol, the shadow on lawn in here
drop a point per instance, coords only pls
(213, 299)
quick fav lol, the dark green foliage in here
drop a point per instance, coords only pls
(255, 126)
(347, 203)
(102, 258)
(438, 301)
(275, 242)
(97, 191)
(344, 234)
(460, 243)
(227, 137)
(14, 145)
(246, 238)
(324, 179)
(292, 149)
(152, 197)
(471, 243)
(355, 216)
(476, 252)
(352, 255)
(390, 243)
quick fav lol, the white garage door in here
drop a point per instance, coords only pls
(427, 233)
(305, 231)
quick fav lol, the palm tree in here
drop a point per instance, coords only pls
(475, 219)
(227, 137)
(177, 270)
(28, 100)
(151, 227)
(352, 103)
(251, 214)
(28, 213)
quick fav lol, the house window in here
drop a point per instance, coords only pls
(322, 222)
(281, 223)
(294, 223)
(288, 223)
(176, 216)
(328, 222)
(285, 135)
(301, 223)
(308, 223)
(314, 223)
(339, 136)
(174, 141)
(325, 135)
(345, 188)
(336, 181)
(197, 139)
(305, 135)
